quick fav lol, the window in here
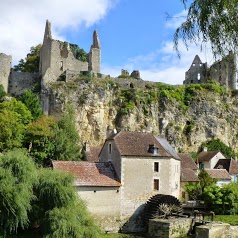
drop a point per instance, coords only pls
(183, 194)
(199, 76)
(193, 64)
(61, 65)
(156, 184)
(156, 166)
(110, 148)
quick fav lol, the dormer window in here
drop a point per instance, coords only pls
(152, 149)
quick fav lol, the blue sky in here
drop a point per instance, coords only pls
(134, 34)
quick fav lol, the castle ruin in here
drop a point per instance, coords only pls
(223, 72)
(56, 58)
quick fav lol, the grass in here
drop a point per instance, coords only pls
(231, 219)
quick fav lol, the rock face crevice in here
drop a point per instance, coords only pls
(101, 107)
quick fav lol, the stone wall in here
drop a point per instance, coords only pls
(104, 204)
(169, 228)
(5, 67)
(21, 81)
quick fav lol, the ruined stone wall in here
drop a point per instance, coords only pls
(5, 67)
(21, 81)
(94, 60)
(104, 204)
(224, 71)
(61, 59)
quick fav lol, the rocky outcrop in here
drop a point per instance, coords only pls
(103, 105)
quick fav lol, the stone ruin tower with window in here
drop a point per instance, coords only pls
(57, 59)
(223, 72)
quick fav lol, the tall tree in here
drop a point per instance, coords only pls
(213, 21)
(31, 62)
(32, 102)
(17, 175)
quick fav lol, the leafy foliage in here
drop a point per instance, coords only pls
(32, 103)
(14, 117)
(218, 145)
(213, 21)
(2, 92)
(17, 175)
(31, 62)
(79, 53)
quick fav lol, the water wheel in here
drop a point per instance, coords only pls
(162, 206)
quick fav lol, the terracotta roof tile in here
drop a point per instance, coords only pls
(88, 173)
(187, 162)
(137, 144)
(206, 155)
(233, 167)
(188, 175)
(220, 174)
(93, 154)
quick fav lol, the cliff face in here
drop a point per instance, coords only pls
(186, 116)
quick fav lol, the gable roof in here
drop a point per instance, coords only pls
(187, 162)
(230, 165)
(188, 175)
(206, 156)
(100, 174)
(220, 174)
(93, 154)
(137, 144)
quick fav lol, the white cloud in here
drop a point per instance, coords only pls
(163, 65)
(173, 22)
(22, 22)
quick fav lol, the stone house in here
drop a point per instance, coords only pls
(189, 172)
(98, 185)
(221, 175)
(132, 167)
(208, 159)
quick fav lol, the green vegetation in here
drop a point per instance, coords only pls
(31, 62)
(211, 21)
(231, 219)
(218, 145)
(78, 53)
(32, 102)
(221, 200)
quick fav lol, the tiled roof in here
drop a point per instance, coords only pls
(93, 154)
(187, 162)
(230, 165)
(137, 144)
(206, 155)
(88, 173)
(220, 174)
(233, 167)
(188, 175)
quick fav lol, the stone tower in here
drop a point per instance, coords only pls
(5, 68)
(94, 59)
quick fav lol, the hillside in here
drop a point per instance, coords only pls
(185, 115)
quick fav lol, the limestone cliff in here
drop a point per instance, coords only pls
(185, 115)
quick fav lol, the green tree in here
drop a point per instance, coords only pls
(213, 21)
(32, 102)
(39, 139)
(58, 210)
(2, 92)
(218, 145)
(79, 53)
(17, 175)
(31, 62)
(67, 143)
(14, 116)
